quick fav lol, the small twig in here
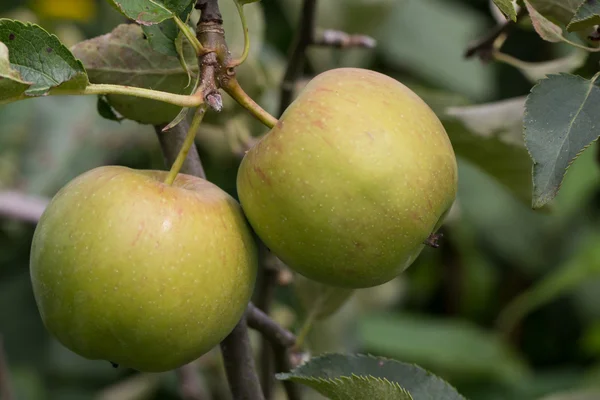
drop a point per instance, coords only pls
(21, 206)
(190, 384)
(6, 389)
(305, 36)
(239, 364)
(484, 47)
(343, 40)
(275, 333)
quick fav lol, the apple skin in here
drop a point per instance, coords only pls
(355, 176)
(149, 276)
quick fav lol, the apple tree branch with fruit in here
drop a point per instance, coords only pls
(150, 270)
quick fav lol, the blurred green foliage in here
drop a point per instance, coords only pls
(443, 313)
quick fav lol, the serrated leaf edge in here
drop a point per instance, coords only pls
(340, 380)
(293, 372)
(576, 21)
(543, 200)
(51, 35)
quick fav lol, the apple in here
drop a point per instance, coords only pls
(352, 180)
(139, 273)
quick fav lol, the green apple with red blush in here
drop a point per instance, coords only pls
(151, 276)
(352, 181)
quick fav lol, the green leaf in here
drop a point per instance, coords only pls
(12, 85)
(124, 57)
(550, 31)
(561, 11)
(148, 12)
(534, 71)
(544, 27)
(583, 267)
(561, 121)
(448, 347)
(508, 8)
(40, 58)
(587, 15)
(162, 36)
(358, 377)
(489, 136)
(404, 40)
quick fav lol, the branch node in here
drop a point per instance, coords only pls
(433, 240)
(214, 101)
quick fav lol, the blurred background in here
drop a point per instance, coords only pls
(507, 308)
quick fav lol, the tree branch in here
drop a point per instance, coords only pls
(190, 385)
(239, 364)
(275, 333)
(343, 40)
(484, 47)
(305, 36)
(6, 389)
(21, 206)
(171, 142)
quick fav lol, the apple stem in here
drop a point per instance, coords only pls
(233, 88)
(187, 144)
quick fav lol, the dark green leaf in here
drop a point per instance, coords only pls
(358, 377)
(587, 15)
(490, 137)
(148, 12)
(162, 37)
(12, 85)
(124, 57)
(508, 8)
(106, 111)
(448, 347)
(561, 121)
(40, 58)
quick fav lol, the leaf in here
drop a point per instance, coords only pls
(549, 31)
(560, 11)
(148, 12)
(12, 85)
(162, 36)
(544, 27)
(587, 15)
(449, 347)
(583, 267)
(489, 136)
(338, 375)
(508, 7)
(561, 121)
(124, 57)
(40, 58)
(539, 70)
(404, 40)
